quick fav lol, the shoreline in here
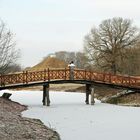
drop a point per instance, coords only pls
(14, 126)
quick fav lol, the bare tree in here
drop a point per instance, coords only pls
(106, 45)
(81, 61)
(8, 53)
(78, 58)
(66, 56)
(132, 62)
(13, 68)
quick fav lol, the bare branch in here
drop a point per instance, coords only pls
(107, 45)
(8, 52)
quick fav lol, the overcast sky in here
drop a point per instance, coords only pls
(46, 26)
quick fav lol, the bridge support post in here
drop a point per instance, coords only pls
(46, 98)
(87, 93)
(92, 96)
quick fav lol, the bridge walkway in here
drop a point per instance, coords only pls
(58, 76)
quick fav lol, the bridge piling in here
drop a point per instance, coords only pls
(92, 96)
(46, 98)
(87, 93)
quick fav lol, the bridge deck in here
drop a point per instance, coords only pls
(33, 78)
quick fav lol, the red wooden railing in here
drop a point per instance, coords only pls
(64, 74)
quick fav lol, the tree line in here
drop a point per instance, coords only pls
(113, 47)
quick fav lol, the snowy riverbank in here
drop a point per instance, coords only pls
(72, 119)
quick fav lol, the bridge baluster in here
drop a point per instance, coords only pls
(23, 80)
(85, 75)
(104, 75)
(26, 77)
(45, 74)
(2, 82)
(65, 74)
(110, 81)
(48, 74)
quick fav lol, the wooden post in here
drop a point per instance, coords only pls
(85, 75)
(45, 74)
(65, 74)
(48, 74)
(110, 77)
(23, 75)
(129, 81)
(87, 93)
(26, 77)
(92, 96)
(90, 76)
(104, 77)
(0, 79)
(46, 98)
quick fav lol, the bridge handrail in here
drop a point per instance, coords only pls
(64, 74)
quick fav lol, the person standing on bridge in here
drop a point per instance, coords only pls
(71, 67)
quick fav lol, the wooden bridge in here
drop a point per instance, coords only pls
(56, 76)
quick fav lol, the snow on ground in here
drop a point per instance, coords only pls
(74, 120)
